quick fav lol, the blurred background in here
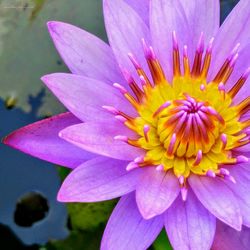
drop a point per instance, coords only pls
(30, 216)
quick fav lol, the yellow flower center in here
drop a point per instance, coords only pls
(189, 125)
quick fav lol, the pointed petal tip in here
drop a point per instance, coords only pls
(11, 139)
(51, 25)
(63, 197)
(46, 79)
(7, 140)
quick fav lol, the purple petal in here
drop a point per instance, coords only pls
(84, 53)
(189, 225)
(155, 192)
(241, 190)
(166, 17)
(125, 31)
(141, 7)
(98, 180)
(41, 140)
(98, 137)
(84, 96)
(235, 29)
(218, 199)
(127, 230)
(226, 238)
(203, 16)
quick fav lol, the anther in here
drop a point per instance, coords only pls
(198, 158)
(161, 108)
(230, 178)
(160, 168)
(227, 68)
(186, 60)
(121, 118)
(210, 173)
(184, 192)
(181, 180)
(221, 87)
(224, 141)
(152, 55)
(202, 87)
(238, 85)
(171, 144)
(139, 159)
(210, 45)
(200, 47)
(143, 81)
(241, 159)
(176, 56)
(198, 56)
(127, 75)
(185, 51)
(132, 165)
(224, 171)
(207, 59)
(111, 110)
(120, 88)
(134, 61)
(175, 42)
(234, 51)
(233, 60)
(244, 106)
(146, 129)
(121, 138)
(215, 113)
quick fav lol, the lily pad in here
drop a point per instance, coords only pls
(77, 240)
(27, 52)
(88, 216)
(162, 242)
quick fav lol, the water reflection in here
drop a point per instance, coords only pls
(21, 174)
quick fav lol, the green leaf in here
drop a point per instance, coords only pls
(63, 172)
(88, 216)
(27, 52)
(77, 240)
(162, 242)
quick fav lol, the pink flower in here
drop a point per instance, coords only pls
(176, 145)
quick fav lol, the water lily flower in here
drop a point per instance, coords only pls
(159, 117)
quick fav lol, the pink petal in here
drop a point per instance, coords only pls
(98, 137)
(241, 189)
(41, 140)
(155, 192)
(235, 29)
(84, 96)
(141, 7)
(98, 180)
(84, 53)
(166, 17)
(125, 31)
(189, 225)
(226, 238)
(218, 199)
(127, 230)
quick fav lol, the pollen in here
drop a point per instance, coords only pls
(189, 125)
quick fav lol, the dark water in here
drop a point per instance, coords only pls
(21, 174)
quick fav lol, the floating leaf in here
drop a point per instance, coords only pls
(77, 240)
(88, 216)
(27, 52)
(162, 242)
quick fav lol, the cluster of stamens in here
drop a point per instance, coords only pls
(189, 125)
